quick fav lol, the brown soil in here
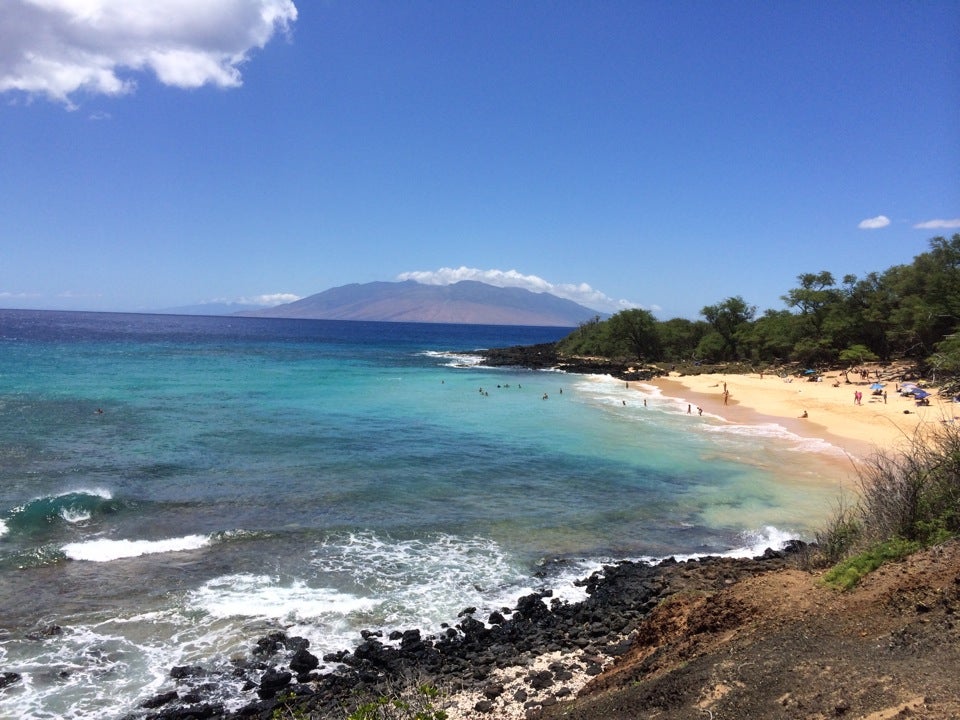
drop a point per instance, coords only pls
(782, 645)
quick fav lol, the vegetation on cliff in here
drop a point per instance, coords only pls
(907, 500)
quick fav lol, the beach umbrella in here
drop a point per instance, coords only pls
(808, 371)
(877, 386)
(920, 394)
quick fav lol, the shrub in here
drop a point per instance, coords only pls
(848, 573)
(908, 500)
(412, 703)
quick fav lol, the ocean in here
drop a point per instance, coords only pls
(172, 488)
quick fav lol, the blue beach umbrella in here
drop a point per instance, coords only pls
(808, 371)
(877, 386)
(920, 394)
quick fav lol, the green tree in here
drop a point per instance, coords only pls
(712, 348)
(815, 297)
(772, 336)
(729, 319)
(857, 355)
(590, 338)
(867, 308)
(945, 363)
(679, 338)
(928, 292)
(634, 333)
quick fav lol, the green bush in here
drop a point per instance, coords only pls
(848, 573)
(908, 500)
(410, 704)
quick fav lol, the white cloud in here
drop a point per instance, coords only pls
(875, 223)
(59, 47)
(579, 293)
(269, 300)
(938, 224)
(266, 300)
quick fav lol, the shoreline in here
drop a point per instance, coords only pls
(515, 664)
(525, 661)
(860, 430)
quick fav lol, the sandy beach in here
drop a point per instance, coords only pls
(832, 413)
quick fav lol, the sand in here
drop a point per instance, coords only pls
(832, 414)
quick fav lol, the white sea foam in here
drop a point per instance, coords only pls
(775, 431)
(73, 516)
(81, 673)
(3, 528)
(452, 359)
(759, 541)
(99, 492)
(106, 550)
(424, 582)
(262, 596)
(610, 391)
(755, 543)
(330, 619)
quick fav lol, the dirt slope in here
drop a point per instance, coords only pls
(781, 645)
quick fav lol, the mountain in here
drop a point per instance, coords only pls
(467, 303)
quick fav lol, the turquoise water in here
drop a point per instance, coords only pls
(329, 477)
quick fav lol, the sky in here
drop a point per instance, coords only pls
(665, 155)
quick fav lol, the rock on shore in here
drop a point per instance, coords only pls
(545, 356)
(515, 662)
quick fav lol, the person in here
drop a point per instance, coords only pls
(688, 409)
(884, 397)
(804, 414)
(699, 410)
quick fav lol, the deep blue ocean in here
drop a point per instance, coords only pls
(172, 487)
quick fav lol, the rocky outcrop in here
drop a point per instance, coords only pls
(472, 654)
(546, 356)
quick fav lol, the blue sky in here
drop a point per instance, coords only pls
(663, 155)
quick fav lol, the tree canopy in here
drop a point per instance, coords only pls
(907, 311)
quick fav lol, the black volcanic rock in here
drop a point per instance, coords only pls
(546, 355)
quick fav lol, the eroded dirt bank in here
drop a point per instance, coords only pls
(781, 645)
